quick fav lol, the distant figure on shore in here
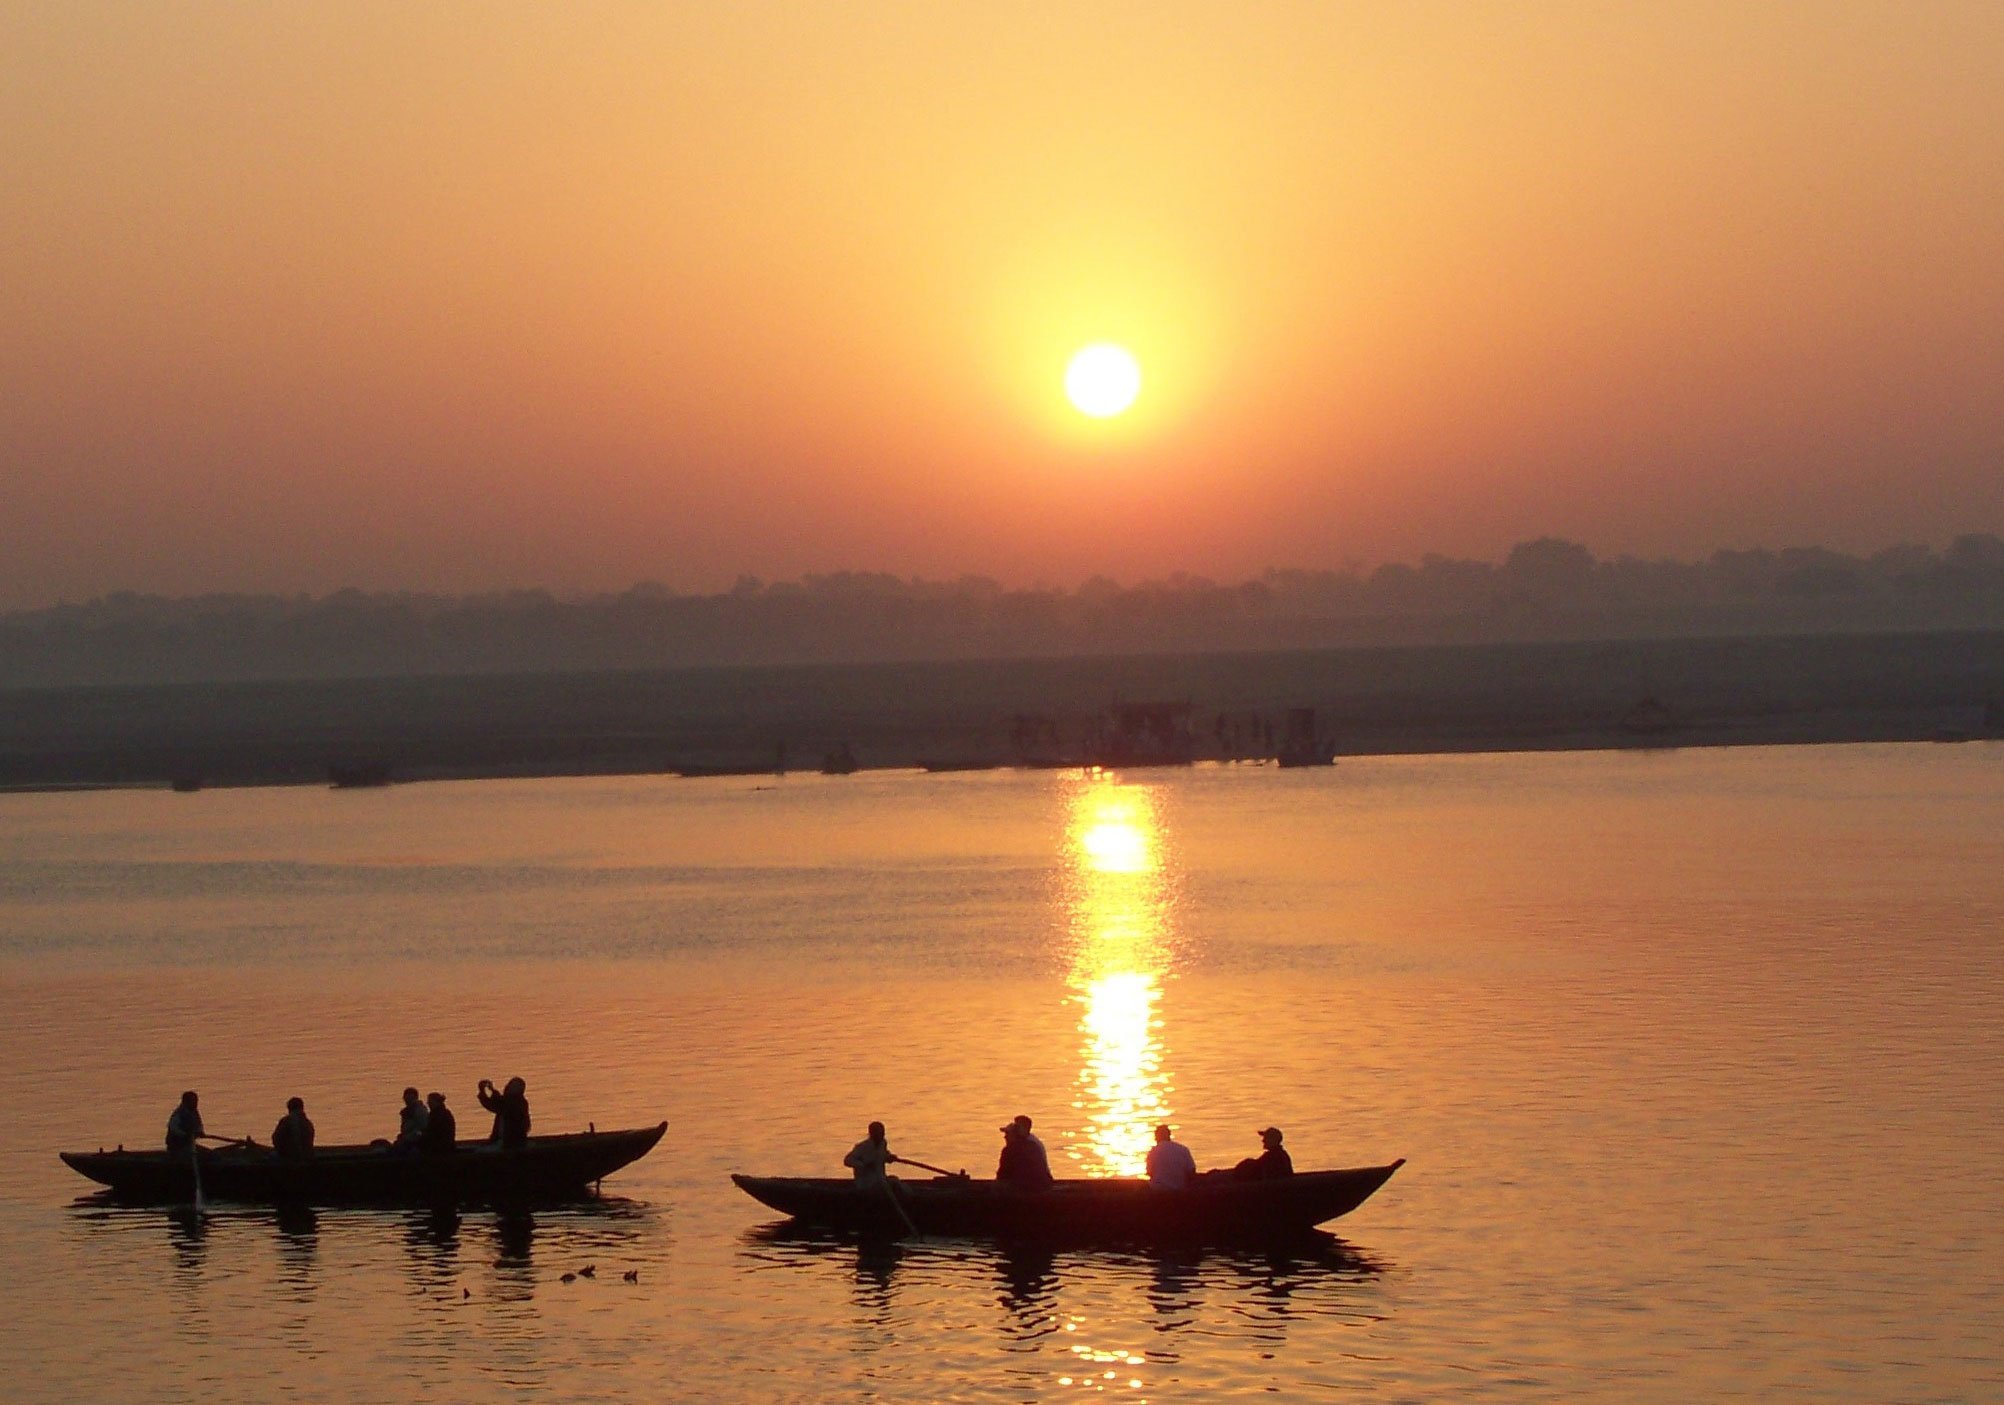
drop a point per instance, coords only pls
(1271, 1164)
(1170, 1164)
(441, 1128)
(410, 1121)
(870, 1156)
(511, 1112)
(292, 1138)
(1024, 1163)
(184, 1125)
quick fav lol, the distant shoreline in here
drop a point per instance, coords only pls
(1626, 695)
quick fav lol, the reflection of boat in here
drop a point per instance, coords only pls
(1217, 1209)
(548, 1168)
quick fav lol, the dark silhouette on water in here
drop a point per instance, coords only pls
(870, 1157)
(1219, 1208)
(184, 1125)
(441, 1128)
(292, 1138)
(1273, 1163)
(1024, 1163)
(510, 1107)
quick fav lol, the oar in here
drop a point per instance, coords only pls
(225, 1141)
(936, 1170)
(899, 1206)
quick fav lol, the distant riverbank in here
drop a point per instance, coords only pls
(961, 715)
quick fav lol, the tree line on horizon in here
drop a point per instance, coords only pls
(1546, 589)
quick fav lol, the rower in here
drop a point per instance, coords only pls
(184, 1125)
(1024, 1163)
(292, 1138)
(441, 1128)
(511, 1112)
(1272, 1164)
(870, 1156)
(1170, 1164)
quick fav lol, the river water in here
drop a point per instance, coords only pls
(1697, 1059)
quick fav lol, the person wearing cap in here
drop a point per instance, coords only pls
(292, 1138)
(1170, 1164)
(1024, 1164)
(870, 1156)
(1271, 1164)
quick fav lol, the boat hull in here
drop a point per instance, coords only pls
(1217, 1209)
(547, 1169)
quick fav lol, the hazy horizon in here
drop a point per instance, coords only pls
(1544, 590)
(458, 298)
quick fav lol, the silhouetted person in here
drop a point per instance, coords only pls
(1024, 1163)
(870, 1156)
(1271, 1164)
(410, 1121)
(510, 1107)
(184, 1125)
(1170, 1164)
(292, 1138)
(441, 1128)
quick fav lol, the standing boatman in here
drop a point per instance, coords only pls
(184, 1125)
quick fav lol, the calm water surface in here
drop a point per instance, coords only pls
(1697, 1058)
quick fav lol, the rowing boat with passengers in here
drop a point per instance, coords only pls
(543, 1169)
(1218, 1208)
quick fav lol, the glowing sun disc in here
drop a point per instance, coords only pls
(1102, 380)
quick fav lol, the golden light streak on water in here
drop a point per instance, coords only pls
(1120, 910)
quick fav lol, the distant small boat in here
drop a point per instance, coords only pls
(356, 775)
(969, 763)
(1301, 744)
(1218, 1208)
(186, 785)
(548, 1168)
(839, 762)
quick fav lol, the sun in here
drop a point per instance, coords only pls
(1103, 379)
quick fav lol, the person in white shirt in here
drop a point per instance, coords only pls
(870, 1156)
(1170, 1164)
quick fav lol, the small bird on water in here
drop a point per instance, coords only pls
(568, 1278)
(588, 1271)
(632, 1275)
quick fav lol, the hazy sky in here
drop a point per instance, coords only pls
(450, 297)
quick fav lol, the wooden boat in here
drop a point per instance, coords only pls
(548, 1168)
(1217, 1208)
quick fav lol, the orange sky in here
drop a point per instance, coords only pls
(455, 297)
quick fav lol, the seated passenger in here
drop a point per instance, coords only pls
(184, 1125)
(1271, 1164)
(441, 1128)
(1170, 1164)
(870, 1156)
(510, 1107)
(410, 1122)
(292, 1138)
(1024, 1162)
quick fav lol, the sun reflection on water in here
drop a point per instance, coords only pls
(1120, 905)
